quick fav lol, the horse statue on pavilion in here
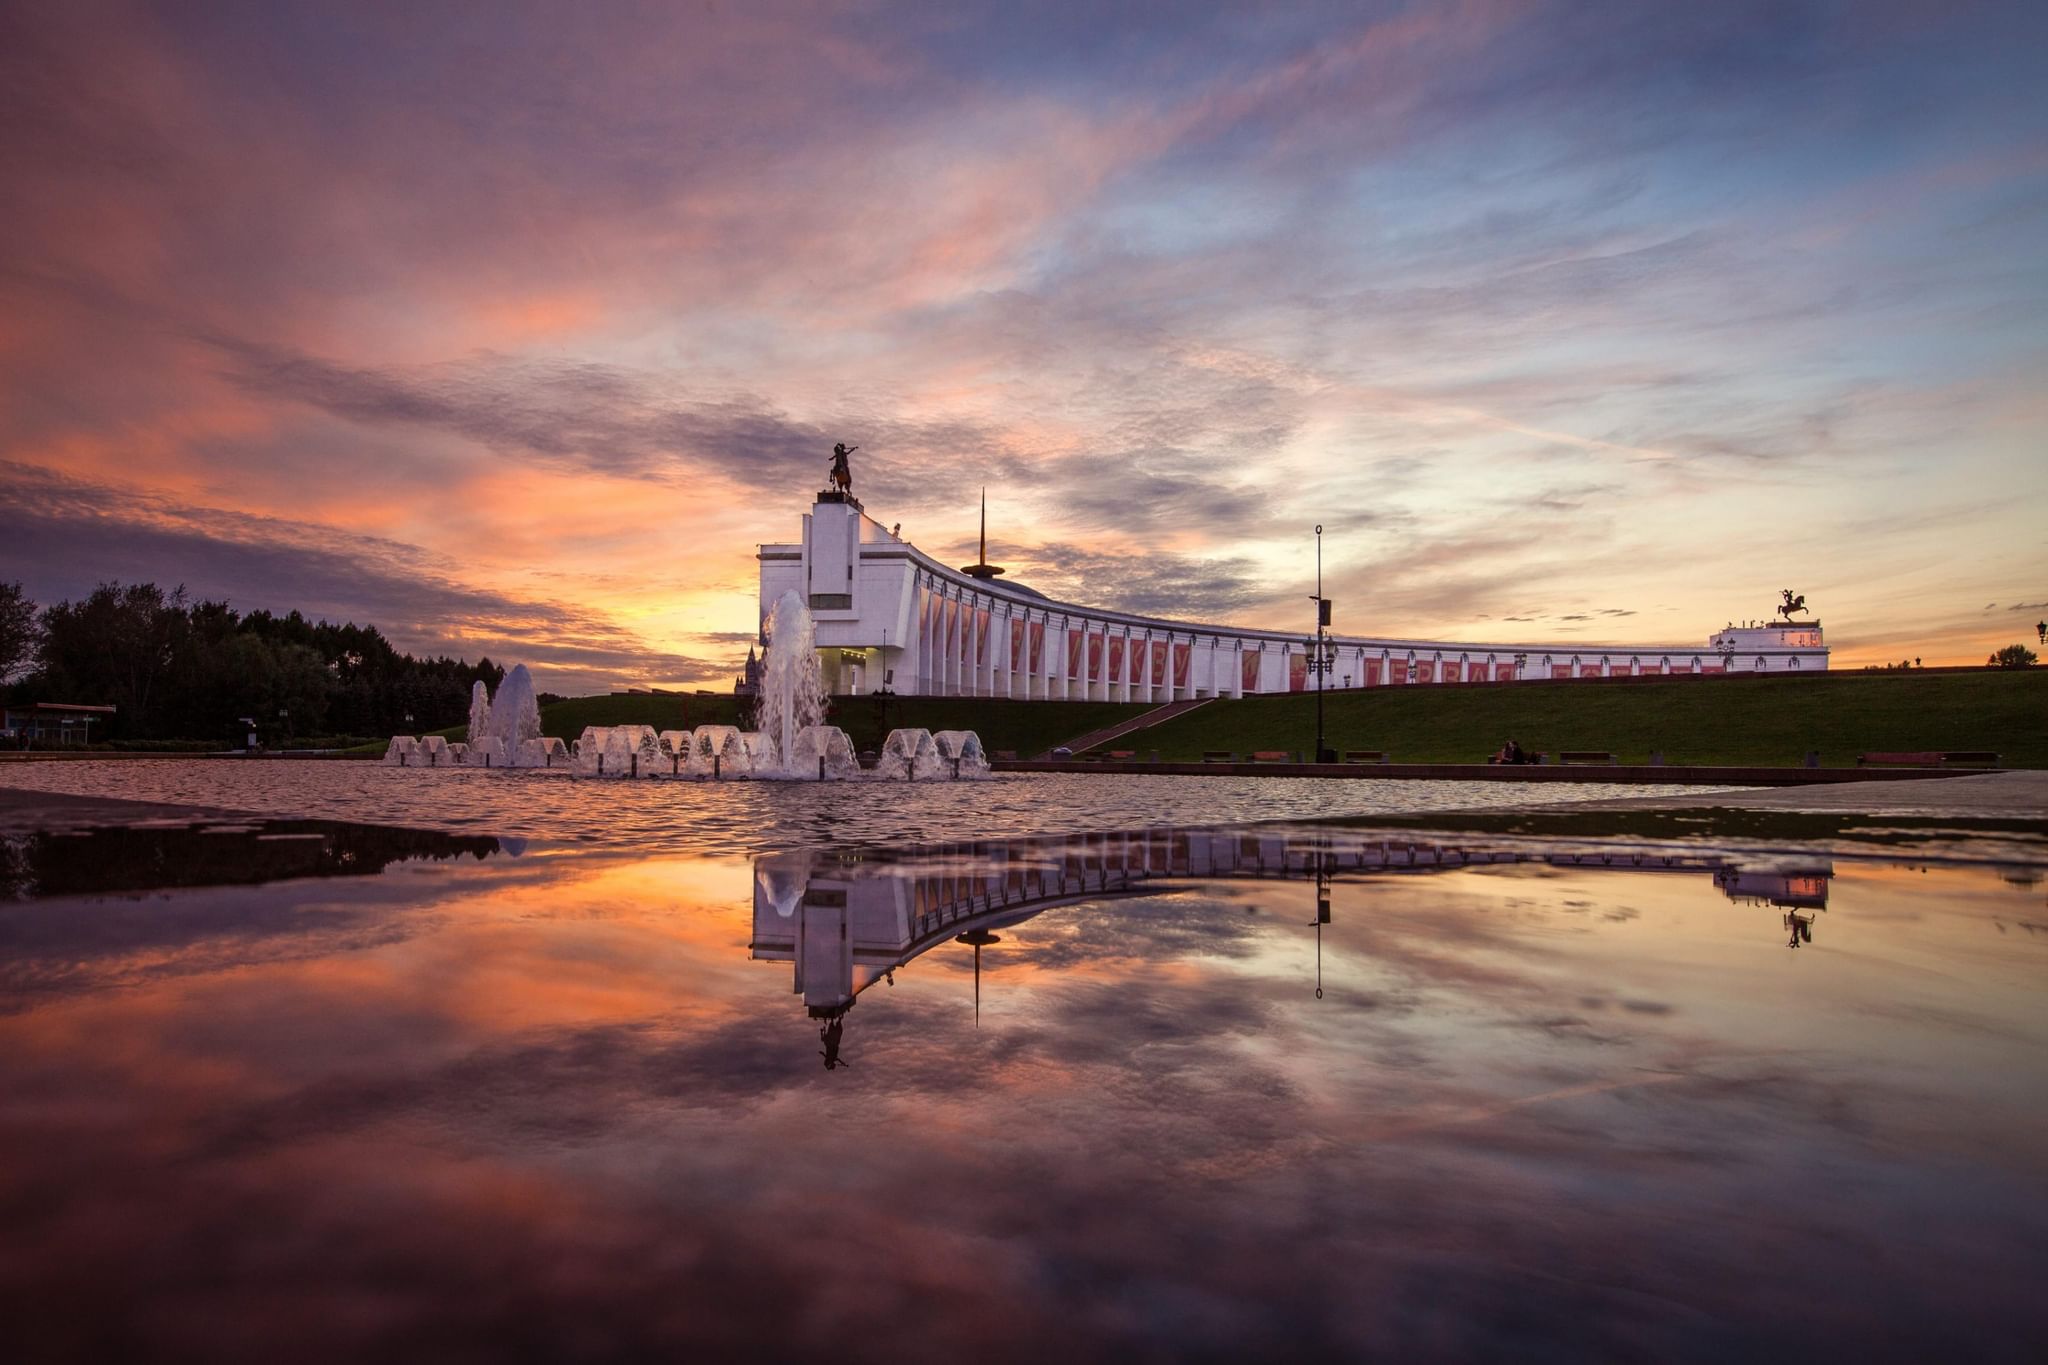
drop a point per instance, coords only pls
(842, 473)
(1791, 602)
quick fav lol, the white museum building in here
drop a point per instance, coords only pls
(889, 615)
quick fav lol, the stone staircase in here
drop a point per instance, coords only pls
(1097, 738)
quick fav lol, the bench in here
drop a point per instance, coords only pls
(1365, 756)
(1929, 758)
(1272, 756)
(1584, 756)
(1219, 756)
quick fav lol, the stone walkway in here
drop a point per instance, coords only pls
(2007, 795)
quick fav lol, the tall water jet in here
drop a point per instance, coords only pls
(514, 712)
(479, 711)
(792, 682)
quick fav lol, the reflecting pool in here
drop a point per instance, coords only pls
(747, 817)
(1169, 1094)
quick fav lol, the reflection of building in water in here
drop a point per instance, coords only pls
(1790, 891)
(1805, 889)
(847, 919)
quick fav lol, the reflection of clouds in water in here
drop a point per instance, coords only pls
(1151, 1143)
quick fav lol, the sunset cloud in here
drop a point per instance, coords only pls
(1542, 310)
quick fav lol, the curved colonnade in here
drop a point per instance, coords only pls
(889, 615)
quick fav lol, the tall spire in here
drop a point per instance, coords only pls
(981, 568)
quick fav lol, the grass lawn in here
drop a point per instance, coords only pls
(1021, 727)
(1770, 722)
(1750, 721)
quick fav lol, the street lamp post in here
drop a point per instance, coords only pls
(1323, 658)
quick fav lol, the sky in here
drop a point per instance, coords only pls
(514, 328)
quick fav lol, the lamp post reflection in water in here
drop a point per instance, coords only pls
(1322, 911)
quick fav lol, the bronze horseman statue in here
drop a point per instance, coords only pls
(842, 474)
(1791, 602)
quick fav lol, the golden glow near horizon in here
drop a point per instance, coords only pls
(299, 324)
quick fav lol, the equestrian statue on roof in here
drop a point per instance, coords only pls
(842, 473)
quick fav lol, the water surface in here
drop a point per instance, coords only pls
(734, 817)
(1159, 1095)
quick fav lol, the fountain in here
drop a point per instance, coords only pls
(500, 726)
(479, 711)
(792, 687)
(544, 752)
(961, 751)
(911, 756)
(789, 741)
(718, 751)
(779, 880)
(825, 750)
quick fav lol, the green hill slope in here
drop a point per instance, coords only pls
(1762, 721)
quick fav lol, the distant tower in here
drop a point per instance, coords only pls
(748, 684)
(981, 568)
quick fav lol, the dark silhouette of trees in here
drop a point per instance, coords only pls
(178, 669)
(2012, 656)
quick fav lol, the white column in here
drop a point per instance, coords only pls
(1034, 678)
(952, 634)
(1001, 654)
(909, 651)
(985, 665)
(1051, 659)
(963, 656)
(970, 669)
(998, 636)
(977, 649)
(1237, 669)
(921, 680)
(998, 646)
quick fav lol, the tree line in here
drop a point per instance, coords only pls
(179, 669)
